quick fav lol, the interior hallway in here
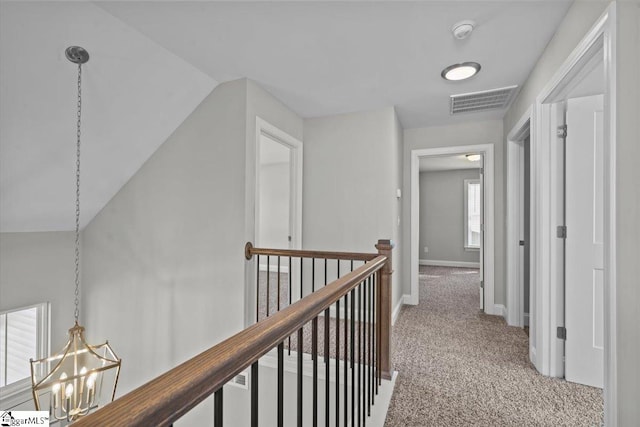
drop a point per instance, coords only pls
(458, 367)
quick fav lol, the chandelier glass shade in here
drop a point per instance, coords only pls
(81, 377)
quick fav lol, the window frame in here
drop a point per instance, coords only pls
(15, 393)
(466, 244)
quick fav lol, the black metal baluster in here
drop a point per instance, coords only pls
(379, 332)
(278, 293)
(300, 376)
(359, 393)
(217, 408)
(338, 360)
(375, 334)
(352, 358)
(326, 280)
(314, 351)
(301, 281)
(257, 288)
(370, 352)
(366, 397)
(281, 384)
(346, 360)
(254, 394)
(289, 276)
(327, 330)
(268, 291)
(338, 352)
(327, 383)
(368, 326)
(313, 274)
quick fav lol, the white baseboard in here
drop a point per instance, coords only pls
(442, 263)
(526, 319)
(532, 356)
(273, 268)
(500, 310)
(408, 299)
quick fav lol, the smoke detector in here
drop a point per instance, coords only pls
(463, 29)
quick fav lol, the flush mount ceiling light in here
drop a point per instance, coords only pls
(473, 157)
(82, 376)
(462, 71)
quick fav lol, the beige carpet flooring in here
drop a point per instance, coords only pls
(458, 367)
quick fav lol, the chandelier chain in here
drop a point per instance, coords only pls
(76, 312)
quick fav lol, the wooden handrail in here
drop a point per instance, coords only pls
(250, 251)
(166, 398)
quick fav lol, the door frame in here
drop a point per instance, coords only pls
(515, 296)
(489, 228)
(295, 214)
(599, 44)
(252, 189)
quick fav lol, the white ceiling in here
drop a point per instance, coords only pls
(152, 62)
(444, 163)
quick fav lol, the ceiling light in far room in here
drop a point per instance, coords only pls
(460, 71)
(463, 29)
(473, 157)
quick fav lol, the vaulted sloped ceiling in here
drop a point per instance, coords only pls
(135, 94)
(152, 63)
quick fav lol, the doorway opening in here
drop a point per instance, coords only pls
(580, 232)
(475, 225)
(277, 221)
(451, 200)
(278, 199)
(520, 300)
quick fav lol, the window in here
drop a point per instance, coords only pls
(24, 334)
(472, 213)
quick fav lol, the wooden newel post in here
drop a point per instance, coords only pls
(384, 248)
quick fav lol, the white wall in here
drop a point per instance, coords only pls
(398, 251)
(350, 181)
(469, 133)
(628, 212)
(442, 216)
(164, 270)
(579, 18)
(36, 268)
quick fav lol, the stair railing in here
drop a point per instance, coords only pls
(363, 352)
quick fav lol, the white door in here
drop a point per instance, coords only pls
(584, 259)
(275, 205)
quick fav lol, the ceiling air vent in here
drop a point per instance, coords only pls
(482, 101)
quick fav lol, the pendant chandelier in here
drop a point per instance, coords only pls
(81, 377)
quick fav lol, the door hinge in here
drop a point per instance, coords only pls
(521, 243)
(562, 332)
(562, 131)
(482, 284)
(289, 238)
(561, 232)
